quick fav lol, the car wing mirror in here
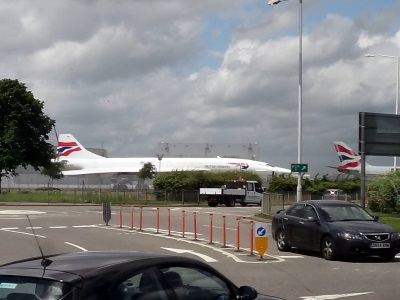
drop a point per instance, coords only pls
(313, 219)
(376, 218)
(247, 293)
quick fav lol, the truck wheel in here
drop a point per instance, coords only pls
(212, 204)
(230, 202)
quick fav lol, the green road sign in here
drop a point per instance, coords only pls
(299, 168)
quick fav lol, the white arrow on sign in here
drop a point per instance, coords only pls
(180, 251)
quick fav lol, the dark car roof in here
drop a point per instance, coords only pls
(71, 266)
(323, 202)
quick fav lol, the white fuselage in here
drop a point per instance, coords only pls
(370, 170)
(78, 166)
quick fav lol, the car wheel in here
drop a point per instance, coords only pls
(281, 241)
(328, 248)
(387, 256)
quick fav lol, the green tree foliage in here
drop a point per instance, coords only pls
(194, 180)
(283, 183)
(24, 129)
(53, 171)
(383, 193)
(148, 171)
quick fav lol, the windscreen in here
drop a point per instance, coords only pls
(17, 287)
(345, 213)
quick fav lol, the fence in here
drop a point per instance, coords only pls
(271, 202)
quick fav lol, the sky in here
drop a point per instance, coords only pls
(128, 74)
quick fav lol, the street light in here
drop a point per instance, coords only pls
(300, 101)
(397, 90)
(159, 156)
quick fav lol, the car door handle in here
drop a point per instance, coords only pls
(301, 222)
(285, 219)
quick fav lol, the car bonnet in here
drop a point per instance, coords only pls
(362, 226)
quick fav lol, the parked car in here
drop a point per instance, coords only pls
(117, 275)
(120, 187)
(335, 194)
(333, 227)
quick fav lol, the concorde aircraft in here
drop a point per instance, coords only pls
(80, 161)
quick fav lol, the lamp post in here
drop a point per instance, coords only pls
(397, 89)
(300, 100)
(159, 156)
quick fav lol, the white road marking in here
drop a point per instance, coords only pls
(187, 233)
(200, 242)
(14, 218)
(85, 226)
(180, 251)
(30, 228)
(337, 296)
(218, 227)
(21, 212)
(41, 236)
(290, 256)
(81, 248)
(58, 227)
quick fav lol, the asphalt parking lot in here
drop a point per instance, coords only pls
(292, 275)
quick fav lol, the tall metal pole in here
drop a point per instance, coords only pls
(397, 104)
(299, 141)
(159, 156)
(299, 127)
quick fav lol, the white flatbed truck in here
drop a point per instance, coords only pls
(234, 191)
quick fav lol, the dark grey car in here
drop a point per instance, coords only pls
(117, 275)
(333, 227)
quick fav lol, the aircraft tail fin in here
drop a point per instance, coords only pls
(348, 158)
(69, 147)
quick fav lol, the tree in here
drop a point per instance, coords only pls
(24, 129)
(194, 180)
(383, 193)
(53, 171)
(148, 171)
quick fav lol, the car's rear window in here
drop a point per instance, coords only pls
(27, 288)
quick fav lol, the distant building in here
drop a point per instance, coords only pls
(234, 150)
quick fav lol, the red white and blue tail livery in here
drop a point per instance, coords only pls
(350, 162)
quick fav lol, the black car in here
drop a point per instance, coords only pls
(120, 187)
(333, 227)
(117, 275)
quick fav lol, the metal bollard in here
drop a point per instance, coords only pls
(211, 228)
(195, 226)
(238, 235)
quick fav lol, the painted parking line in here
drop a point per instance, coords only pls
(335, 296)
(21, 212)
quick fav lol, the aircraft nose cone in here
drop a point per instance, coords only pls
(282, 171)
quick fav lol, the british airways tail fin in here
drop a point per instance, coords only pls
(69, 147)
(348, 158)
